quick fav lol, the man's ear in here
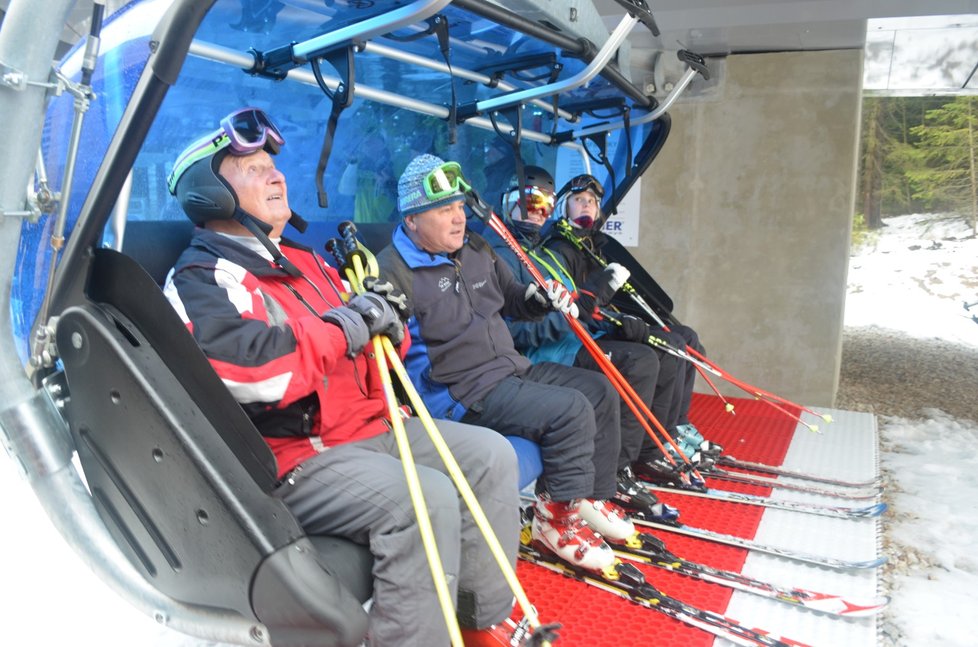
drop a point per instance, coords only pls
(409, 222)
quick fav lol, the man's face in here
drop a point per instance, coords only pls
(260, 188)
(582, 209)
(440, 230)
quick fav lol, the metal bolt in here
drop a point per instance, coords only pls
(77, 340)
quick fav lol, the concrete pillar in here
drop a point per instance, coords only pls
(746, 217)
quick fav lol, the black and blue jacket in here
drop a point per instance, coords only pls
(461, 347)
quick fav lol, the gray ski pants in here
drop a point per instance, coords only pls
(358, 491)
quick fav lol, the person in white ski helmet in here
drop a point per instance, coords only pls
(579, 203)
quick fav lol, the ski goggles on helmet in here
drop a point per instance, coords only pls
(444, 181)
(244, 131)
(586, 182)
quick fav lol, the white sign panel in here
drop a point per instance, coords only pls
(623, 226)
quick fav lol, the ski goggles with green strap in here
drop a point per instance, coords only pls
(244, 131)
(444, 181)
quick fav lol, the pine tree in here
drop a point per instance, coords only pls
(875, 148)
(949, 180)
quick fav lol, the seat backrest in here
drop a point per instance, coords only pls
(182, 478)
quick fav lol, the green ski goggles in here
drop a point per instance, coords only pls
(444, 181)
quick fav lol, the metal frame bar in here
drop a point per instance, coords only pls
(593, 68)
(376, 26)
(576, 48)
(680, 87)
(244, 61)
(461, 72)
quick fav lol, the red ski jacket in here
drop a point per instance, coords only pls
(262, 332)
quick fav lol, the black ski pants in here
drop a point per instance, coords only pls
(572, 414)
(682, 336)
(639, 365)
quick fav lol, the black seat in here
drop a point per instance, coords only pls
(180, 475)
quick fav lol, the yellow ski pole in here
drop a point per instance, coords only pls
(414, 485)
(454, 470)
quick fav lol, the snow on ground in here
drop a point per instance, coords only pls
(912, 278)
(931, 529)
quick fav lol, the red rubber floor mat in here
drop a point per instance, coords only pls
(594, 618)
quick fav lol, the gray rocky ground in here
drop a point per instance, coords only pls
(891, 374)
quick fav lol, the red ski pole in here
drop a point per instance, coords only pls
(625, 390)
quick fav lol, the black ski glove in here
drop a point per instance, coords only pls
(380, 316)
(602, 285)
(633, 329)
(363, 317)
(395, 297)
(537, 303)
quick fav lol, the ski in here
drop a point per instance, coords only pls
(749, 544)
(627, 581)
(730, 461)
(839, 512)
(650, 550)
(764, 481)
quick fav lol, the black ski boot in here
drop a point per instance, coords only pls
(640, 502)
(660, 472)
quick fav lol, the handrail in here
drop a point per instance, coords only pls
(376, 26)
(572, 47)
(679, 88)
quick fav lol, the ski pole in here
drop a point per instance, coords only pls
(625, 390)
(564, 229)
(727, 404)
(360, 256)
(658, 342)
(756, 392)
(414, 484)
(700, 367)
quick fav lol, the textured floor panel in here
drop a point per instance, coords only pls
(847, 448)
(760, 433)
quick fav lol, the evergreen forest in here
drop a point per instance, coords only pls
(918, 155)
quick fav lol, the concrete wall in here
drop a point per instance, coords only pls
(746, 216)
